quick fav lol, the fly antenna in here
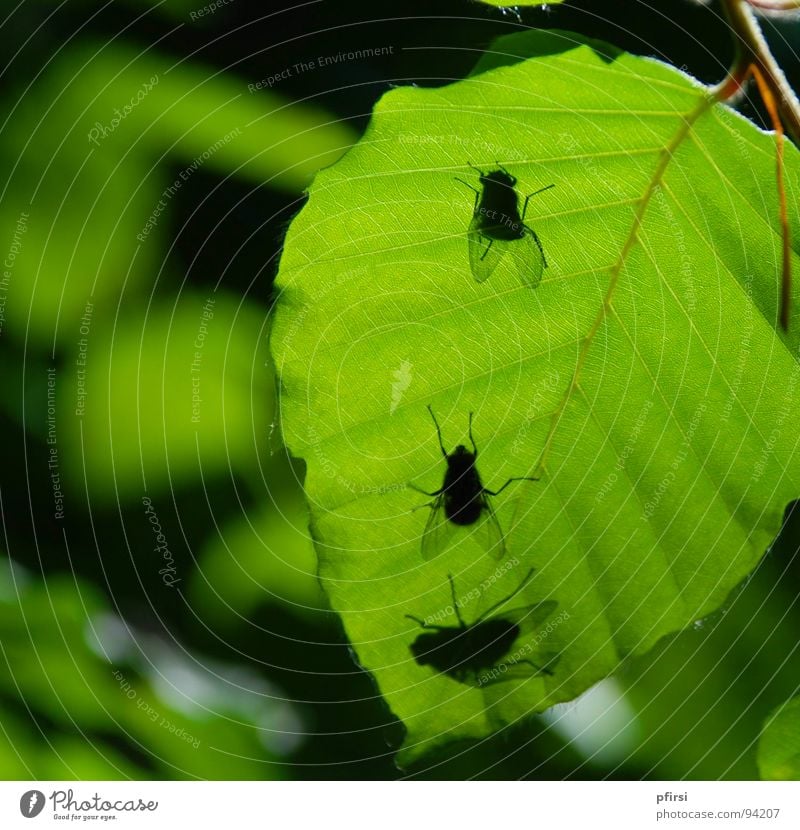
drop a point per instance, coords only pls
(438, 431)
(455, 600)
(474, 447)
(503, 601)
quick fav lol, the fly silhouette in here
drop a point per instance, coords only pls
(497, 228)
(473, 653)
(462, 501)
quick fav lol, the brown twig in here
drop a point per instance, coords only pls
(772, 109)
(753, 57)
(752, 49)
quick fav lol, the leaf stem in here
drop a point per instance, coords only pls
(687, 122)
(753, 57)
(752, 50)
(772, 108)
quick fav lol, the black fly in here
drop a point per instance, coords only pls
(497, 228)
(473, 653)
(462, 500)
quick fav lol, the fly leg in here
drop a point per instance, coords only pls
(435, 496)
(539, 669)
(475, 191)
(472, 440)
(538, 245)
(528, 198)
(455, 600)
(517, 478)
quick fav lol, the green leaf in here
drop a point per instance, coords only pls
(779, 746)
(643, 380)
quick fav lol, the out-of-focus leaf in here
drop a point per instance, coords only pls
(89, 715)
(714, 684)
(181, 391)
(261, 558)
(87, 150)
(779, 747)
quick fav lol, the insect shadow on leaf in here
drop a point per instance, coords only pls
(498, 228)
(473, 653)
(462, 501)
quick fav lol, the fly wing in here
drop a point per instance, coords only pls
(528, 257)
(484, 252)
(490, 534)
(532, 655)
(439, 531)
(530, 618)
(535, 643)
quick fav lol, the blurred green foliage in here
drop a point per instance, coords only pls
(91, 686)
(157, 388)
(779, 749)
(89, 143)
(172, 392)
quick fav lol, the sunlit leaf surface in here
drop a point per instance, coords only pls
(643, 380)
